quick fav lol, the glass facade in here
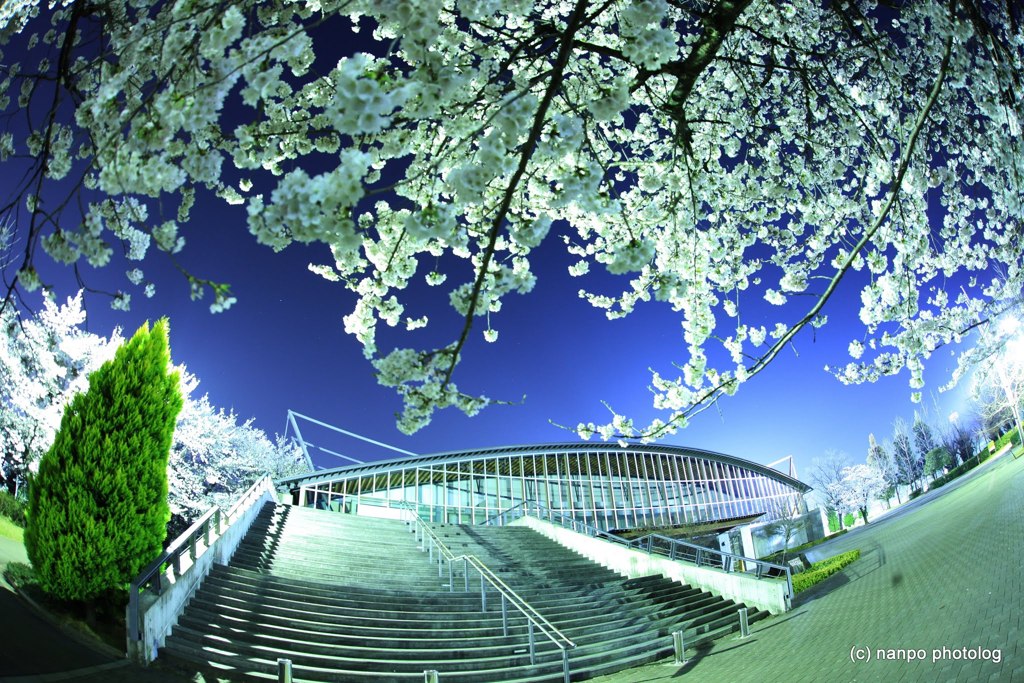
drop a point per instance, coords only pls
(608, 486)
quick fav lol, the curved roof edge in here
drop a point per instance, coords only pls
(459, 456)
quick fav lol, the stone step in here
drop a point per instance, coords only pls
(399, 635)
(302, 610)
(308, 585)
(317, 592)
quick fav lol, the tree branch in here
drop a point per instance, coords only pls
(557, 73)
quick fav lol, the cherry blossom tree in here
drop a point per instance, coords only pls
(860, 485)
(214, 458)
(998, 384)
(44, 361)
(723, 157)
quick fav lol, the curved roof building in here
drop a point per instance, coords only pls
(606, 485)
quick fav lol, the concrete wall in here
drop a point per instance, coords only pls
(766, 594)
(159, 613)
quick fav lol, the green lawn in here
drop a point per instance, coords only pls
(9, 529)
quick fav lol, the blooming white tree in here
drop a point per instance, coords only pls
(860, 485)
(44, 361)
(214, 458)
(998, 384)
(717, 155)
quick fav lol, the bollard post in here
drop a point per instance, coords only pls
(284, 670)
(504, 616)
(744, 624)
(430, 676)
(679, 647)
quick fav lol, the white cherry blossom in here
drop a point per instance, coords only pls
(735, 162)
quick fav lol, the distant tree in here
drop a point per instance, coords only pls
(910, 468)
(45, 359)
(826, 476)
(98, 506)
(924, 438)
(959, 442)
(785, 522)
(937, 460)
(998, 383)
(881, 459)
(860, 485)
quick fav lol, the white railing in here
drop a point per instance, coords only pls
(177, 564)
(436, 549)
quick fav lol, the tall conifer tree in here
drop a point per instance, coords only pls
(98, 506)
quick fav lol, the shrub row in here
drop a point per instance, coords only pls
(1010, 436)
(965, 466)
(12, 508)
(820, 571)
(19, 575)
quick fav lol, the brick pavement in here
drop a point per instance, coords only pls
(946, 574)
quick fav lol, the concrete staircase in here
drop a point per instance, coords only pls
(350, 598)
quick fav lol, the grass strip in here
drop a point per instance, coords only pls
(820, 571)
(9, 529)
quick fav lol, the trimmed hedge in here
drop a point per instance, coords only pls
(967, 465)
(12, 508)
(820, 571)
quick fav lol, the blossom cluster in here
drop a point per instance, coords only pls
(710, 171)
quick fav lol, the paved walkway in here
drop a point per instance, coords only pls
(938, 595)
(30, 643)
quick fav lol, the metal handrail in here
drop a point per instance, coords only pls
(213, 520)
(508, 595)
(672, 548)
